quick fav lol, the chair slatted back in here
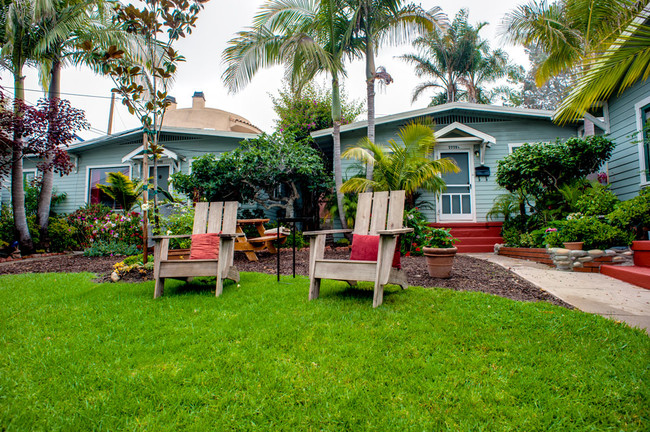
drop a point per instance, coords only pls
(215, 217)
(384, 210)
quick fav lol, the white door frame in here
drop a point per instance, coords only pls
(459, 148)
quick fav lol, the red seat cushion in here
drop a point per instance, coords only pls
(205, 246)
(366, 248)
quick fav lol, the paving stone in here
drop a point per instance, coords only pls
(596, 253)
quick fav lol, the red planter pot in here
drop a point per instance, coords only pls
(641, 250)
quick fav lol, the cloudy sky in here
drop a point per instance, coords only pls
(217, 23)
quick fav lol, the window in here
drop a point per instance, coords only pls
(645, 143)
(29, 175)
(97, 176)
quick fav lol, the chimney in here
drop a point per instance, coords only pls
(172, 102)
(198, 100)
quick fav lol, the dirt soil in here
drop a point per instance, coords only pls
(468, 274)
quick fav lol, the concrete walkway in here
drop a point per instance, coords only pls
(589, 292)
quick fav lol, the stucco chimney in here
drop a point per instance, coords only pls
(172, 102)
(198, 100)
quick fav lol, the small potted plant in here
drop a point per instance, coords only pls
(439, 250)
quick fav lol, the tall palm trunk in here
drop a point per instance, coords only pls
(45, 195)
(336, 137)
(370, 89)
(17, 186)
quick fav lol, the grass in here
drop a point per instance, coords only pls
(75, 355)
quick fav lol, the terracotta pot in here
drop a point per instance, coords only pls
(641, 250)
(573, 245)
(440, 261)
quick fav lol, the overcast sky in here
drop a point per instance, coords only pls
(217, 23)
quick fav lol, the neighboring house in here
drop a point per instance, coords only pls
(211, 131)
(475, 136)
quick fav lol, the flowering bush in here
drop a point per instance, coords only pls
(94, 225)
(412, 242)
(180, 222)
(439, 238)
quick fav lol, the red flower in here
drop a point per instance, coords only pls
(408, 254)
(417, 249)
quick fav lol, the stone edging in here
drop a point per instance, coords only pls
(570, 260)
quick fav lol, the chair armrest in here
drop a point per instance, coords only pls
(156, 238)
(324, 232)
(231, 235)
(395, 231)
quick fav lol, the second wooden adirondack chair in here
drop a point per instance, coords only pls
(215, 217)
(380, 214)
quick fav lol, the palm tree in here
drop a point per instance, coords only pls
(379, 21)
(65, 26)
(19, 39)
(458, 58)
(623, 63)
(407, 165)
(122, 189)
(569, 31)
(309, 38)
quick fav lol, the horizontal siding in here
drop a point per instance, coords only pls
(624, 167)
(504, 132)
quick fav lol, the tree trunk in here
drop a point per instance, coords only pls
(370, 89)
(47, 182)
(17, 186)
(336, 137)
(145, 197)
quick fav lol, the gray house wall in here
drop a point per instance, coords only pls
(626, 164)
(505, 130)
(110, 151)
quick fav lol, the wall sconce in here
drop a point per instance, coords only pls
(477, 153)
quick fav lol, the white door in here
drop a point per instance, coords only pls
(455, 203)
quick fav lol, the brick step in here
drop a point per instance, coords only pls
(471, 229)
(635, 275)
(478, 241)
(474, 248)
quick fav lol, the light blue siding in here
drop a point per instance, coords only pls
(505, 131)
(624, 167)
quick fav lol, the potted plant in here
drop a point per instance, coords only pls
(439, 250)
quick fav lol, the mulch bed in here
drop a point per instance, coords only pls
(468, 274)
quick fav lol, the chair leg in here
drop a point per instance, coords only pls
(316, 251)
(378, 296)
(159, 287)
(314, 288)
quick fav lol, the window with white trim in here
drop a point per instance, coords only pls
(98, 176)
(645, 142)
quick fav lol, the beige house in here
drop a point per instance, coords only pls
(201, 117)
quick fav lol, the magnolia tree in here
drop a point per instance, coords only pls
(43, 131)
(143, 85)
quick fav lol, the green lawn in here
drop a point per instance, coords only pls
(75, 355)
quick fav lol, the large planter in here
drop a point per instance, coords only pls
(641, 250)
(440, 261)
(573, 245)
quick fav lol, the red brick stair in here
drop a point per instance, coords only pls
(639, 273)
(474, 237)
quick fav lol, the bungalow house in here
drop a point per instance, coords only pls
(186, 134)
(476, 137)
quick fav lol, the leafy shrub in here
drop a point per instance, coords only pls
(180, 222)
(63, 236)
(102, 248)
(593, 232)
(511, 236)
(439, 238)
(411, 243)
(133, 259)
(596, 200)
(633, 214)
(6, 225)
(300, 241)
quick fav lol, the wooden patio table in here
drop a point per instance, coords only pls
(256, 244)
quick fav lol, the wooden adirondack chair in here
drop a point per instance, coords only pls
(380, 214)
(212, 217)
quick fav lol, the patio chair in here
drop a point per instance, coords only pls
(380, 214)
(219, 218)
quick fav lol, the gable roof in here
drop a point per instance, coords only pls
(136, 134)
(470, 131)
(476, 109)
